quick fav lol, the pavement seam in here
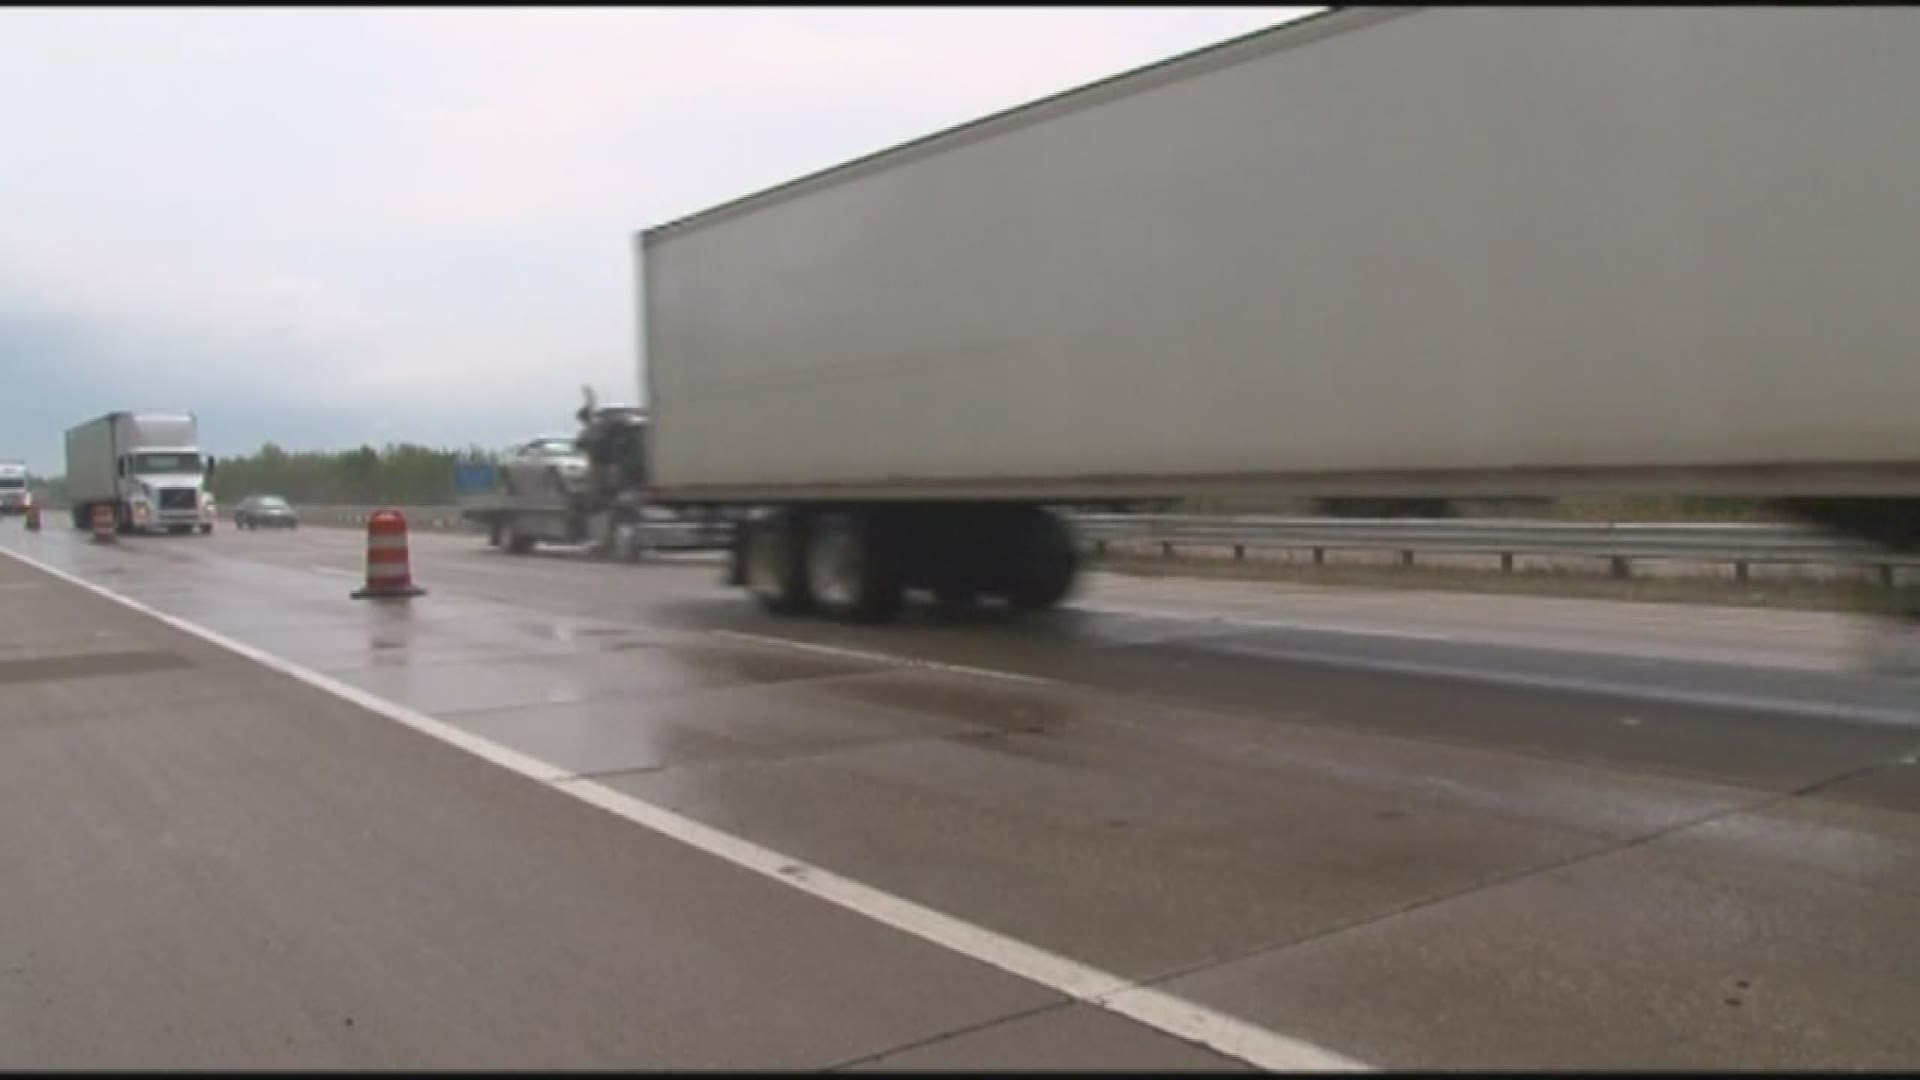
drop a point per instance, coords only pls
(1439, 801)
(1309, 719)
(1552, 866)
(781, 759)
(1703, 699)
(957, 1033)
(612, 774)
(690, 694)
(896, 660)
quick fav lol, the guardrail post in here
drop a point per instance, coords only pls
(1619, 567)
(1886, 576)
(1506, 562)
(1740, 572)
(1239, 552)
(1406, 558)
(1099, 548)
(1166, 548)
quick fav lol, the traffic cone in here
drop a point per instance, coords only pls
(388, 570)
(33, 517)
(103, 523)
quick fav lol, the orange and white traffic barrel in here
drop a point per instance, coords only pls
(33, 517)
(389, 572)
(103, 523)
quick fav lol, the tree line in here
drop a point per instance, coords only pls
(404, 474)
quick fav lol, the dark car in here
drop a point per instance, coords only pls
(265, 512)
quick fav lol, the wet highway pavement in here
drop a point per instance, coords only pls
(1442, 831)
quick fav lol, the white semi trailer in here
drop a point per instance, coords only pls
(1377, 252)
(146, 466)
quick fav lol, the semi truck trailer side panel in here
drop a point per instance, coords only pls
(1468, 249)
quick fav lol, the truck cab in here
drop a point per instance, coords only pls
(15, 496)
(165, 488)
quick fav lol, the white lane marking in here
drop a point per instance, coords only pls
(1164, 1012)
(334, 571)
(1263, 624)
(885, 658)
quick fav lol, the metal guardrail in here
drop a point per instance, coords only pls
(423, 518)
(668, 536)
(1740, 545)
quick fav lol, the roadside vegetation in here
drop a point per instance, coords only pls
(404, 475)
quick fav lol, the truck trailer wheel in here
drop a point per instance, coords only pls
(737, 559)
(955, 593)
(513, 540)
(776, 571)
(1042, 561)
(853, 566)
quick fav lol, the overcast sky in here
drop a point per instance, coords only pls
(324, 227)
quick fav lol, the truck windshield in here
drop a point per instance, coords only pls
(166, 463)
(13, 481)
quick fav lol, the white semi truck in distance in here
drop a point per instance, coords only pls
(146, 466)
(1380, 252)
(15, 496)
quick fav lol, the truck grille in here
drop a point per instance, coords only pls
(179, 499)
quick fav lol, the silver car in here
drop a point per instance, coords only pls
(265, 512)
(549, 465)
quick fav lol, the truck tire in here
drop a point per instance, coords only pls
(955, 593)
(775, 570)
(852, 566)
(512, 540)
(1042, 561)
(737, 559)
(954, 572)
